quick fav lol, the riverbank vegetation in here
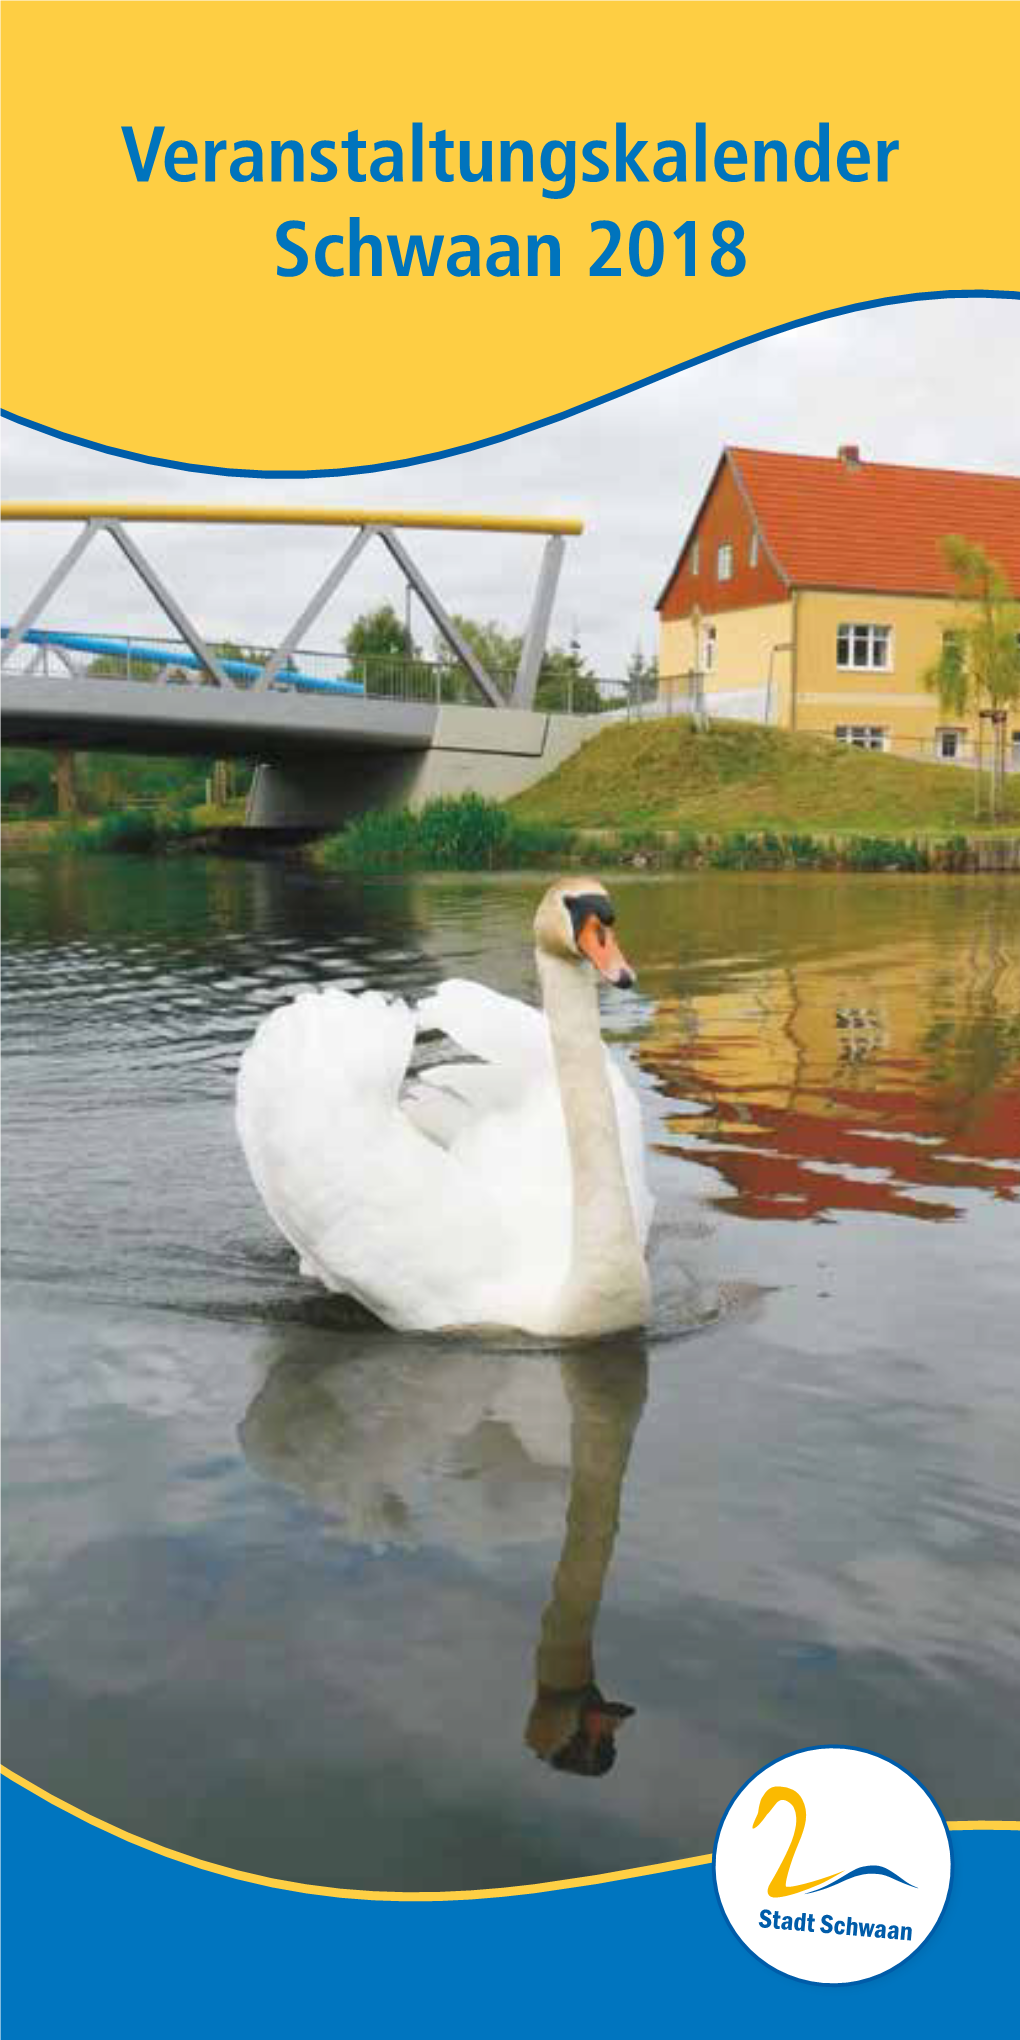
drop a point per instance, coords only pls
(466, 834)
(659, 794)
(136, 829)
(470, 834)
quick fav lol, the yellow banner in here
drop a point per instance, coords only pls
(309, 238)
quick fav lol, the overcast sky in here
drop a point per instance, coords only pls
(933, 384)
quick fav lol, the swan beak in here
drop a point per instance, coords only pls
(597, 942)
(600, 1722)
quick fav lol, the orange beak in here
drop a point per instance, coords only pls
(600, 946)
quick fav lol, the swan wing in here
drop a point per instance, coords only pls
(449, 1205)
(510, 1039)
(373, 1206)
(518, 1069)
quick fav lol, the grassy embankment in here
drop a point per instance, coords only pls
(666, 795)
(667, 775)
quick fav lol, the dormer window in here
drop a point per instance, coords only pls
(724, 563)
(752, 551)
(695, 556)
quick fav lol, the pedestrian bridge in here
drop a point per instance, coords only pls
(333, 735)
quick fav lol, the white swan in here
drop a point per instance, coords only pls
(505, 1192)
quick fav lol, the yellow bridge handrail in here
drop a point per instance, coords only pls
(257, 513)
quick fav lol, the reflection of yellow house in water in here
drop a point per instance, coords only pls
(818, 1094)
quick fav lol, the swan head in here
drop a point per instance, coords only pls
(576, 1731)
(574, 922)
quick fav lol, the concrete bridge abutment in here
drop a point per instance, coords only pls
(492, 752)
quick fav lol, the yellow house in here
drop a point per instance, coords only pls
(813, 593)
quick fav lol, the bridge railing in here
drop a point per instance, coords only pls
(157, 661)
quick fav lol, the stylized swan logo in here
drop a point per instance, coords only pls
(779, 1888)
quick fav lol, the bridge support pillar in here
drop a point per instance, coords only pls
(67, 785)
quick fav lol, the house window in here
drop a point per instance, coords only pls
(695, 556)
(953, 652)
(708, 649)
(950, 743)
(724, 563)
(752, 551)
(865, 646)
(862, 1032)
(863, 736)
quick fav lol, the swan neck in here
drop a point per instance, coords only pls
(605, 1407)
(604, 1234)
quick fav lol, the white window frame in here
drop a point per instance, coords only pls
(708, 650)
(724, 561)
(959, 740)
(752, 550)
(870, 638)
(863, 736)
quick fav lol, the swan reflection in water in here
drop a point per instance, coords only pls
(395, 1448)
(572, 1725)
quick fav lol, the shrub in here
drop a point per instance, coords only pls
(465, 834)
(885, 853)
(472, 834)
(131, 831)
(806, 853)
(954, 854)
(683, 853)
(736, 851)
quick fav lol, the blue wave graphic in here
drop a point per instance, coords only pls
(198, 467)
(869, 1870)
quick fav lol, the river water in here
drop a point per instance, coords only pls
(295, 1595)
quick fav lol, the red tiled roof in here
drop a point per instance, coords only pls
(830, 525)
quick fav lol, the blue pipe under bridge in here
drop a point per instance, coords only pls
(160, 655)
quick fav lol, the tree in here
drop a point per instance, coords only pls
(977, 672)
(67, 788)
(108, 666)
(642, 676)
(380, 649)
(565, 681)
(379, 634)
(496, 649)
(27, 783)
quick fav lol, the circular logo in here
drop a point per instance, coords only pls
(832, 1864)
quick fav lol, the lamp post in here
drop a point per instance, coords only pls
(786, 646)
(696, 705)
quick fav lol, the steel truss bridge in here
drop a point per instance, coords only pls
(85, 691)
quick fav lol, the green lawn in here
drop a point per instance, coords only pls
(667, 775)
